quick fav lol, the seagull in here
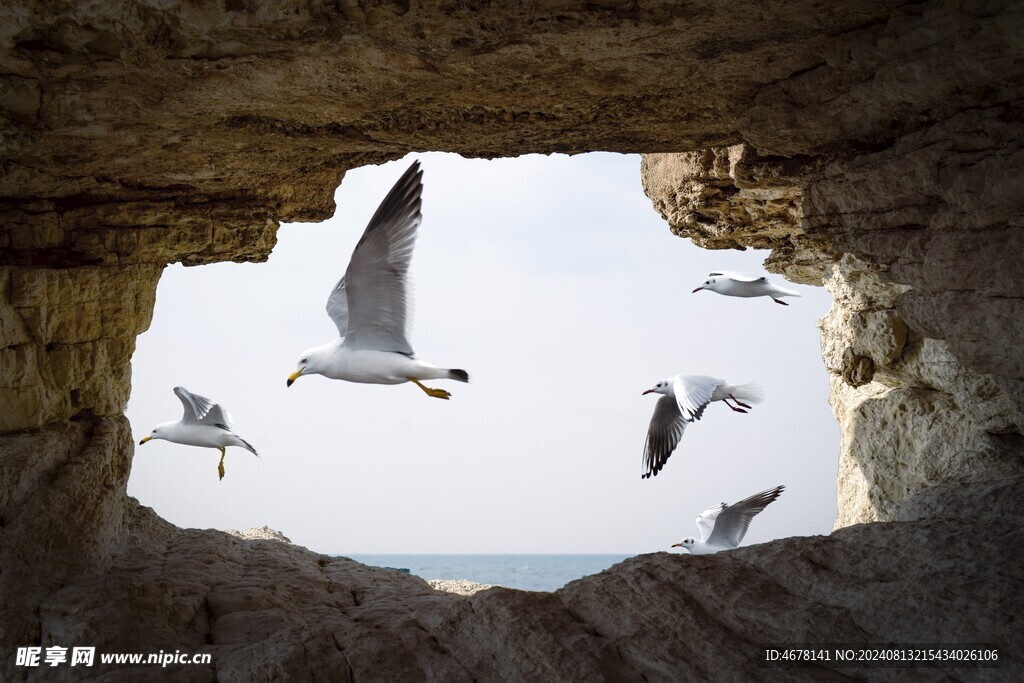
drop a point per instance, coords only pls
(722, 527)
(205, 424)
(744, 285)
(684, 398)
(371, 304)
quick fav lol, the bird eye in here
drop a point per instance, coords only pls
(304, 360)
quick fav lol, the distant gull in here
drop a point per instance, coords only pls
(743, 285)
(684, 399)
(371, 304)
(722, 527)
(205, 424)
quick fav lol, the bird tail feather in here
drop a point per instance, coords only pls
(247, 446)
(748, 392)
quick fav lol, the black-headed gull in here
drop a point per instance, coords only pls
(722, 527)
(205, 424)
(371, 305)
(683, 401)
(743, 285)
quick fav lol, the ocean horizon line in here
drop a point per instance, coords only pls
(489, 554)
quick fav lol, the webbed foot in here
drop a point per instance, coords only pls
(435, 393)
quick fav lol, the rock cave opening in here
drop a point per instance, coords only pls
(554, 280)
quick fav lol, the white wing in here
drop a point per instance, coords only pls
(337, 307)
(738, 277)
(663, 435)
(693, 392)
(706, 520)
(732, 522)
(376, 281)
(201, 410)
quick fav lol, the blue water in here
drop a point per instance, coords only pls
(526, 572)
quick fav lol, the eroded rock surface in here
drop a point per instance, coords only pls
(268, 610)
(873, 146)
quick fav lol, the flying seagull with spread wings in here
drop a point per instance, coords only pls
(743, 285)
(684, 398)
(205, 424)
(371, 304)
(722, 527)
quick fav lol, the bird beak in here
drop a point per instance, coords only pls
(145, 439)
(649, 391)
(677, 545)
(696, 290)
(294, 376)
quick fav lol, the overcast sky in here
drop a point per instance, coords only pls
(556, 285)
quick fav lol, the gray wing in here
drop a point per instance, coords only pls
(732, 522)
(376, 282)
(196, 406)
(201, 410)
(706, 520)
(218, 417)
(663, 435)
(693, 392)
(337, 307)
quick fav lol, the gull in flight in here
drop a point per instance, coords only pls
(371, 304)
(684, 398)
(205, 424)
(722, 527)
(743, 285)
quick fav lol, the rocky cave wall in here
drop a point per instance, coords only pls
(873, 146)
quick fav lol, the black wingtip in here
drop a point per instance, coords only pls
(413, 170)
(771, 495)
(458, 375)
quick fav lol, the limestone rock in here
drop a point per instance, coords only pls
(261, 533)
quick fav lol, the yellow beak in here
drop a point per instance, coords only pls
(294, 376)
(145, 439)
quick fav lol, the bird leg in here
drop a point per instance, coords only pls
(220, 465)
(779, 301)
(436, 393)
(738, 402)
(731, 406)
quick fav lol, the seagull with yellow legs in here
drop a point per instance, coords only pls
(371, 304)
(205, 424)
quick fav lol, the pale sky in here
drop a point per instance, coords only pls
(553, 281)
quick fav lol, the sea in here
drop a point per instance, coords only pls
(525, 572)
